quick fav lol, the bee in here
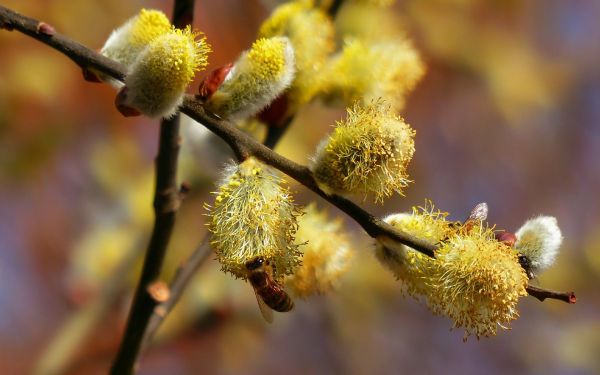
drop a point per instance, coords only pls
(478, 214)
(269, 294)
(525, 262)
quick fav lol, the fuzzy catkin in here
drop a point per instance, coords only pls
(368, 153)
(161, 73)
(258, 76)
(254, 216)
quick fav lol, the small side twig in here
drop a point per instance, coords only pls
(182, 277)
(542, 294)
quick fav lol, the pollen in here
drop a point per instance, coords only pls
(254, 216)
(163, 70)
(368, 153)
(367, 71)
(129, 40)
(327, 254)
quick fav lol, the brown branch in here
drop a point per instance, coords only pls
(182, 277)
(542, 294)
(166, 204)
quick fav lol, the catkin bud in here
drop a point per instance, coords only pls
(478, 282)
(162, 71)
(409, 265)
(326, 256)
(368, 23)
(257, 77)
(367, 153)
(539, 240)
(364, 72)
(254, 216)
(129, 40)
(311, 32)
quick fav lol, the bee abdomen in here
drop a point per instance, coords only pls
(280, 302)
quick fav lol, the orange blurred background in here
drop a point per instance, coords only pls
(508, 113)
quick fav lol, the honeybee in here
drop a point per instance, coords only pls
(269, 294)
(478, 214)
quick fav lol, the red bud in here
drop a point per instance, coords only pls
(213, 81)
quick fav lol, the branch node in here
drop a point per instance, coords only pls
(45, 29)
(184, 189)
(159, 291)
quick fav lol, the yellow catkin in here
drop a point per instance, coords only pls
(478, 282)
(312, 34)
(162, 71)
(473, 279)
(367, 71)
(257, 77)
(408, 265)
(126, 42)
(327, 254)
(368, 153)
(254, 216)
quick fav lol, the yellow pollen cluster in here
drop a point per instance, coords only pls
(163, 70)
(179, 55)
(254, 216)
(367, 153)
(268, 56)
(327, 254)
(148, 25)
(129, 40)
(473, 279)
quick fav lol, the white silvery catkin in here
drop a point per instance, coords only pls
(539, 240)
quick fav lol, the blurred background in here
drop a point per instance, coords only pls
(507, 113)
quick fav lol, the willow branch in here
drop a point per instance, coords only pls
(166, 204)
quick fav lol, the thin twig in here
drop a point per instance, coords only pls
(182, 277)
(275, 133)
(166, 204)
(542, 294)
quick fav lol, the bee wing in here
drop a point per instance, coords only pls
(477, 216)
(479, 212)
(265, 310)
